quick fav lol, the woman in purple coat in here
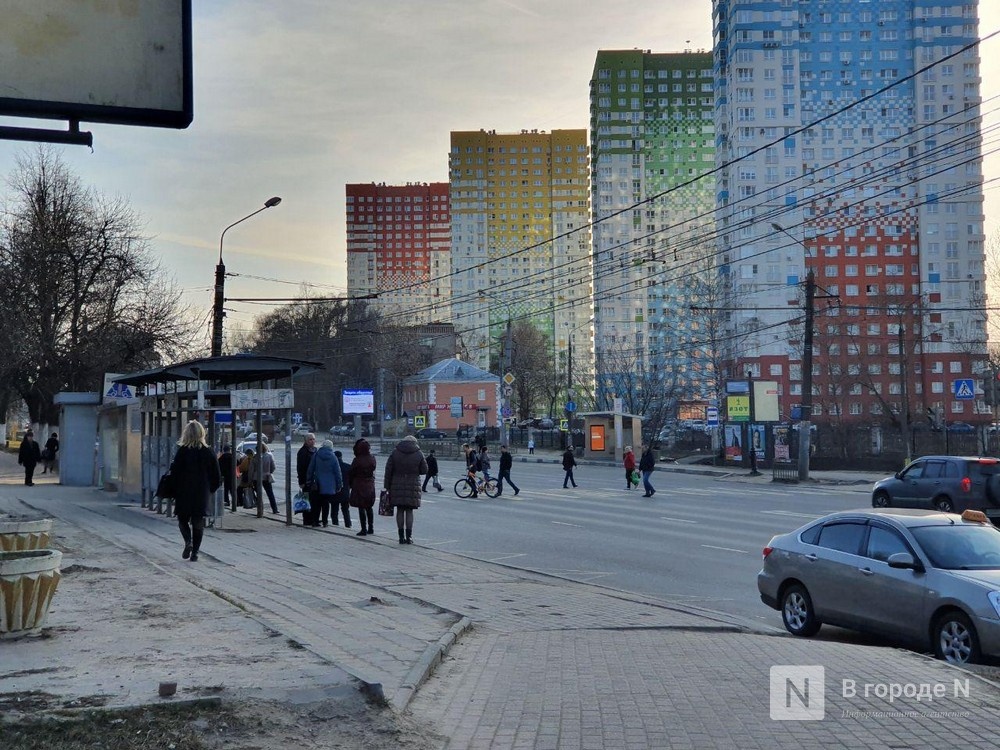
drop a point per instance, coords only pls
(362, 481)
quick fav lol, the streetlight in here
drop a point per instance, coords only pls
(807, 351)
(569, 375)
(220, 281)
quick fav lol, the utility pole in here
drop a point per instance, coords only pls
(506, 409)
(805, 425)
(569, 391)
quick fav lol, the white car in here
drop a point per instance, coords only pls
(251, 437)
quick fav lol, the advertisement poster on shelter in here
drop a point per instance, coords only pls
(734, 451)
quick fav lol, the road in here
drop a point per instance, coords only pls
(698, 540)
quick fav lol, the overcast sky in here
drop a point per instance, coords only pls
(298, 97)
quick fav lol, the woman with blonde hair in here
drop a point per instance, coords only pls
(196, 477)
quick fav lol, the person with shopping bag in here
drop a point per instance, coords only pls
(403, 470)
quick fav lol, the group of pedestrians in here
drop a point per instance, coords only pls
(330, 483)
(29, 455)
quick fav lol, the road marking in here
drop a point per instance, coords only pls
(726, 549)
(507, 557)
(446, 541)
(790, 513)
(678, 520)
(563, 523)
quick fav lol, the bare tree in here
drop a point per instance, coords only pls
(89, 296)
(533, 370)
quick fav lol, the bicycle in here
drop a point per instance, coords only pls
(464, 487)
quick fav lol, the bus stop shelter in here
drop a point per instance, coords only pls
(212, 390)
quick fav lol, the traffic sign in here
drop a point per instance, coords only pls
(564, 425)
(419, 421)
(712, 416)
(571, 406)
(964, 389)
(506, 411)
(509, 378)
(507, 390)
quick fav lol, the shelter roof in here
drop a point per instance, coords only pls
(225, 371)
(452, 371)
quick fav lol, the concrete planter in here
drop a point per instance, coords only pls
(21, 534)
(28, 580)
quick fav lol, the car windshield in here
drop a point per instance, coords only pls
(960, 547)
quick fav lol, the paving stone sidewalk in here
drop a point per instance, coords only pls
(526, 660)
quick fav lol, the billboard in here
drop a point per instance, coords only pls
(358, 401)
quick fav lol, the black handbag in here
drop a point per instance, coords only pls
(384, 504)
(165, 487)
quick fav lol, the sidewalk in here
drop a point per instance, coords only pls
(484, 655)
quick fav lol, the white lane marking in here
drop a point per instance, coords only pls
(678, 520)
(790, 513)
(726, 549)
(563, 523)
(446, 541)
(507, 557)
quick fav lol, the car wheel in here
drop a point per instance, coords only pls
(944, 504)
(955, 638)
(881, 500)
(797, 612)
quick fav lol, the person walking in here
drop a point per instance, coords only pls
(243, 486)
(196, 477)
(264, 469)
(324, 469)
(432, 472)
(506, 463)
(343, 498)
(28, 455)
(50, 454)
(646, 463)
(484, 462)
(226, 469)
(568, 462)
(531, 446)
(362, 479)
(629, 463)
(303, 458)
(402, 478)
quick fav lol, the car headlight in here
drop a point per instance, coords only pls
(994, 597)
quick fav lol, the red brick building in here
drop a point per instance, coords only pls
(452, 387)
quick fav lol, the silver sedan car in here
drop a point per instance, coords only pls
(919, 576)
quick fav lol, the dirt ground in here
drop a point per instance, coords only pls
(119, 626)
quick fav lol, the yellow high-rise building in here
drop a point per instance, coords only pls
(521, 247)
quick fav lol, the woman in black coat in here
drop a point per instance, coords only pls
(195, 475)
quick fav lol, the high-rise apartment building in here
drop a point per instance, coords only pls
(521, 243)
(653, 149)
(849, 147)
(398, 247)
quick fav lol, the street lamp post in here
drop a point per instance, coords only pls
(805, 424)
(220, 281)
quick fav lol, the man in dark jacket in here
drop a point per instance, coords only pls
(471, 466)
(28, 455)
(432, 472)
(302, 459)
(568, 462)
(343, 498)
(228, 470)
(506, 463)
(646, 464)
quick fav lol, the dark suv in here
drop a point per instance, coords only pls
(946, 483)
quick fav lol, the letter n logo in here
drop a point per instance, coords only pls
(797, 692)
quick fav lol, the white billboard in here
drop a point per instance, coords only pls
(358, 401)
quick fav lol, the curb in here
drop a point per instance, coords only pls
(431, 657)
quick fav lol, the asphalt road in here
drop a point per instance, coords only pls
(697, 541)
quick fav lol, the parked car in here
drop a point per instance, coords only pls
(302, 429)
(917, 576)
(947, 483)
(251, 437)
(429, 434)
(545, 424)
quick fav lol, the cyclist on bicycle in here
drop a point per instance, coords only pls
(471, 467)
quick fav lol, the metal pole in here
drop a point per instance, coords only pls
(506, 402)
(805, 425)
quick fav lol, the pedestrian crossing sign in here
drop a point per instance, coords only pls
(964, 389)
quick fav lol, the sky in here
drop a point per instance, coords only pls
(298, 98)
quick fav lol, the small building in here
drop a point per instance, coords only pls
(452, 394)
(607, 433)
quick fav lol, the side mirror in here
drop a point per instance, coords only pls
(904, 561)
(898, 475)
